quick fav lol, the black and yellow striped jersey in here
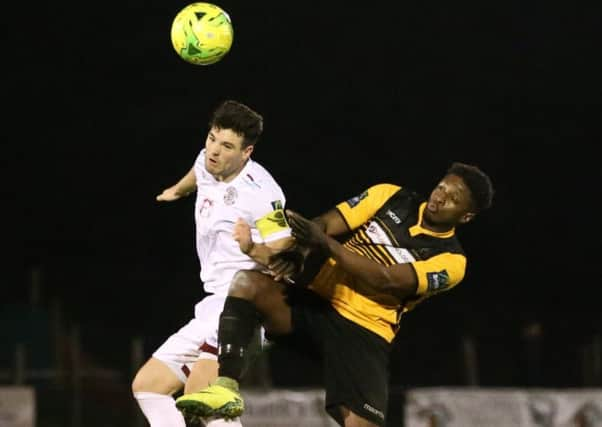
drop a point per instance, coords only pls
(385, 221)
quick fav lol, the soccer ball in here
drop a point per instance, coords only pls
(202, 33)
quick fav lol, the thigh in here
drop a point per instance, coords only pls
(356, 371)
(156, 377)
(268, 297)
(195, 340)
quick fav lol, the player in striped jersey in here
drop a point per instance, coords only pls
(402, 250)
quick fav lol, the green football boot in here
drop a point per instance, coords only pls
(222, 399)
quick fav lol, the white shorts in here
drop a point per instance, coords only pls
(195, 340)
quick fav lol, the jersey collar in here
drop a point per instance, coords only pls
(418, 229)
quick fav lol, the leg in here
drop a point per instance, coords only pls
(156, 377)
(253, 298)
(268, 298)
(153, 387)
(356, 373)
(203, 373)
(351, 419)
(176, 362)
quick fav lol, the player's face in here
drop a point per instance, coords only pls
(449, 203)
(224, 155)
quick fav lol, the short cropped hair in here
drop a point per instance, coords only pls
(477, 181)
(239, 118)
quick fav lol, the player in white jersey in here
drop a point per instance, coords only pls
(230, 187)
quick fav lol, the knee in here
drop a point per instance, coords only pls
(147, 378)
(242, 285)
(138, 383)
(155, 377)
(247, 284)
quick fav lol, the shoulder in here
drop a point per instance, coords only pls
(257, 183)
(386, 186)
(199, 162)
(380, 192)
(258, 177)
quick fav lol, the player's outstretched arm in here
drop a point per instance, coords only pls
(332, 223)
(291, 262)
(285, 258)
(398, 280)
(185, 186)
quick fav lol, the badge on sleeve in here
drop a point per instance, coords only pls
(437, 280)
(354, 201)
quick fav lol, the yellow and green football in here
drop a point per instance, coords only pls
(202, 33)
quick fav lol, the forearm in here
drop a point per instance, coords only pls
(331, 223)
(186, 185)
(375, 276)
(260, 253)
(263, 253)
(363, 268)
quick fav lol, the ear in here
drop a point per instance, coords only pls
(246, 152)
(467, 217)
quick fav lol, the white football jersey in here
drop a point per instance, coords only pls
(254, 196)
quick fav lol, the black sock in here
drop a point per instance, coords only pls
(236, 328)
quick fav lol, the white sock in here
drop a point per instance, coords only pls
(220, 422)
(160, 410)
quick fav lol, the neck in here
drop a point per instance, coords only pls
(230, 176)
(436, 227)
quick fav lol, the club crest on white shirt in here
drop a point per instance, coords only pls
(205, 209)
(230, 196)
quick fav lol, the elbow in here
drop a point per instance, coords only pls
(404, 292)
(398, 290)
(400, 287)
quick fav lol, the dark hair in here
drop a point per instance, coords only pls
(239, 118)
(477, 181)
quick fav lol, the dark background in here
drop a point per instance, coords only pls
(107, 115)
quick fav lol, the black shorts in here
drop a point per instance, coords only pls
(355, 360)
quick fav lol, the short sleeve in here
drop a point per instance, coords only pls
(362, 207)
(268, 215)
(439, 273)
(273, 225)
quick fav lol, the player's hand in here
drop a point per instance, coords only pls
(242, 234)
(286, 265)
(281, 268)
(169, 195)
(305, 231)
